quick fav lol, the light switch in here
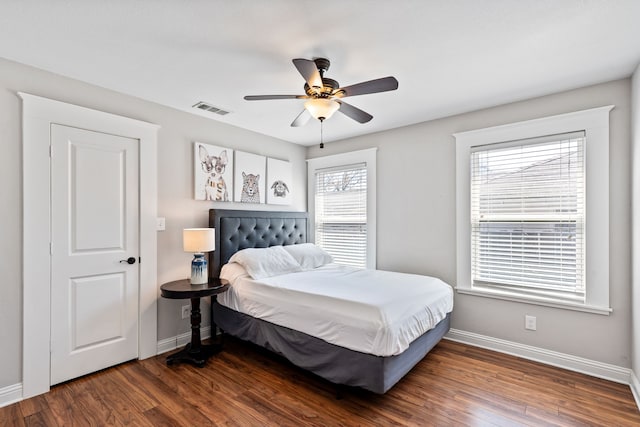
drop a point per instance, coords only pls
(160, 224)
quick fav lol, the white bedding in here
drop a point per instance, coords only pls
(370, 311)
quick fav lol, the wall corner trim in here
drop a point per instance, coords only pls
(10, 394)
(561, 360)
(634, 383)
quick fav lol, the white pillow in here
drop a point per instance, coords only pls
(308, 255)
(232, 271)
(266, 262)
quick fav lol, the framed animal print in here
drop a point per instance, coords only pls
(250, 177)
(279, 179)
(213, 172)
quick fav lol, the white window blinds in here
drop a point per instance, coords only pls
(341, 213)
(528, 215)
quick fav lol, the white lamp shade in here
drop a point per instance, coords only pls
(321, 107)
(199, 239)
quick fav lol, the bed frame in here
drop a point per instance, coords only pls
(236, 230)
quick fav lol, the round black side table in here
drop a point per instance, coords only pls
(195, 352)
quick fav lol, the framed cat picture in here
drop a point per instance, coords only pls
(250, 178)
(213, 172)
(279, 178)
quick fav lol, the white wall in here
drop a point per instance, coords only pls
(635, 159)
(175, 189)
(417, 229)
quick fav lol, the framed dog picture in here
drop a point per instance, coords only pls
(250, 178)
(279, 178)
(213, 172)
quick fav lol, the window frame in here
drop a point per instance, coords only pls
(595, 123)
(368, 157)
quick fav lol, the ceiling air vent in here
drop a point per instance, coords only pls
(208, 107)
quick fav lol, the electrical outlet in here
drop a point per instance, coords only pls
(530, 322)
(186, 311)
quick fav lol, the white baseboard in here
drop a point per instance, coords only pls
(635, 388)
(172, 343)
(10, 394)
(553, 358)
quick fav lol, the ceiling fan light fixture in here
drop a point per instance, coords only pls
(321, 108)
(325, 95)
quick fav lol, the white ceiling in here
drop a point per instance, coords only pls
(448, 56)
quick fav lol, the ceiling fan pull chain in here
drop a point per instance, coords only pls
(321, 135)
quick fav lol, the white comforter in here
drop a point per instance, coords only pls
(370, 311)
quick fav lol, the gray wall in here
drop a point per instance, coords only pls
(416, 227)
(175, 188)
(635, 148)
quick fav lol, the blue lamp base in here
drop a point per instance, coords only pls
(199, 273)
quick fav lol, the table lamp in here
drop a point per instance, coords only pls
(199, 241)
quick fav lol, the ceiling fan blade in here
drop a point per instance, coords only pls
(309, 71)
(353, 112)
(266, 97)
(302, 119)
(372, 86)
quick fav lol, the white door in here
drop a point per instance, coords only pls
(94, 223)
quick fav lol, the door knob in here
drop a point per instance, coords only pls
(130, 260)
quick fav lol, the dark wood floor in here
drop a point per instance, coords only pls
(245, 386)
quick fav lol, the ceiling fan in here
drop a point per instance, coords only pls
(324, 95)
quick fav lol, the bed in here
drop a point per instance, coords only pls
(344, 364)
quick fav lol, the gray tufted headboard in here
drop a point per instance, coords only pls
(237, 229)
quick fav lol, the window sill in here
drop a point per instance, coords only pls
(547, 302)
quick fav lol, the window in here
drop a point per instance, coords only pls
(527, 216)
(532, 211)
(341, 213)
(342, 206)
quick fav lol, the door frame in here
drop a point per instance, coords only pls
(38, 114)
